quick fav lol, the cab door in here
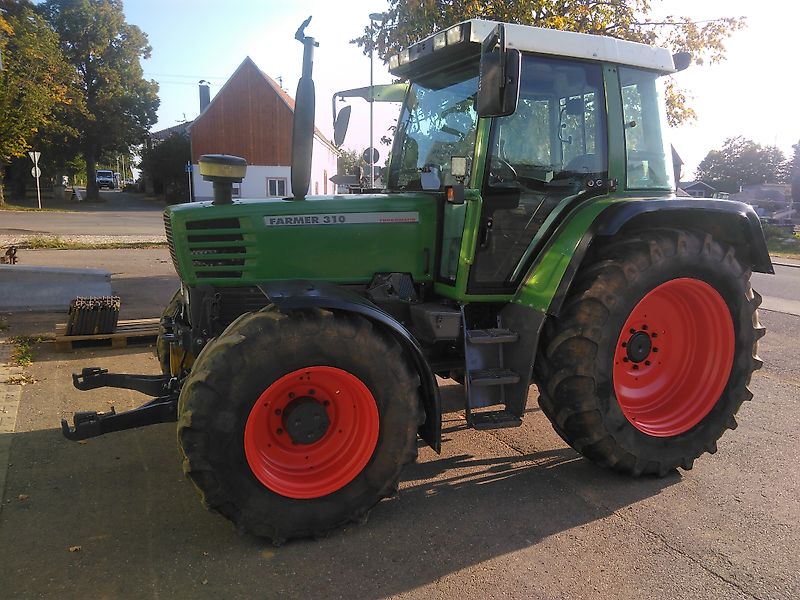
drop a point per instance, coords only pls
(538, 157)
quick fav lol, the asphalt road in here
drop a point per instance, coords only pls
(499, 514)
(120, 214)
(781, 291)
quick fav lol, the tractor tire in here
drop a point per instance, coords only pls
(162, 347)
(294, 424)
(649, 360)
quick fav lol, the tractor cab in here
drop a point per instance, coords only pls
(576, 115)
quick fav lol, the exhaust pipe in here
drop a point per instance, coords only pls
(303, 126)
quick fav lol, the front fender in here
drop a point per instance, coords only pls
(288, 295)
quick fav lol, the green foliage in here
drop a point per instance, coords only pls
(741, 162)
(408, 21)
(22, 355)
(348, 161)
(117, 105)
(164, 163)
(35, 79)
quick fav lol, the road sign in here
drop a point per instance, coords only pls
(371, 153)
(36, 172)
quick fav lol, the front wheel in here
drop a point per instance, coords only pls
(294, 424)
(651, 356)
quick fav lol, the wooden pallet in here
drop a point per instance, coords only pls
(135, 331)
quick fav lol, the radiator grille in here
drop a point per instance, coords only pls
(172, 254)
(217, 248)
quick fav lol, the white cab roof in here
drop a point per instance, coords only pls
(578, 45)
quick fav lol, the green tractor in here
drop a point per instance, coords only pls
(527, 232)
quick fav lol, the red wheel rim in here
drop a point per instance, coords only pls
(673, 357)
(289, 448)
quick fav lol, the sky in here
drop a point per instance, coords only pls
(753, 93)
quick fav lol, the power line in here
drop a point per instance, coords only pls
(184, 76)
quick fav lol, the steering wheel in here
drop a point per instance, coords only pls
(502, 171)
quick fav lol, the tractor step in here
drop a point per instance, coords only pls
(492, 336)
(494, 419)
(493, 377)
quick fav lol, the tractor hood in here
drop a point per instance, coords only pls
(341, 239)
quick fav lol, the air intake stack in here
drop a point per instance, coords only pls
(223, 170)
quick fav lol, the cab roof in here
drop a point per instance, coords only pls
(465, 39)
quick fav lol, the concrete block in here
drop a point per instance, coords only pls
(49, 288)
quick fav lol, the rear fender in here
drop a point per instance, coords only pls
(289, 295)
(549, 279)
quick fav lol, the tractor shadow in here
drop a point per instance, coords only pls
(141, 530)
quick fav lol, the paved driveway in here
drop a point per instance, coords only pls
(499, 514)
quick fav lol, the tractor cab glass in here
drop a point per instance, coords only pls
(437, 123)
(541, 154)
(648, 155)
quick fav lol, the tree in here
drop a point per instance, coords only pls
(740, 162)
(34, 81)
(407, 21)
(348, 161)
(794, 173)
(118, 104)
(164, 163)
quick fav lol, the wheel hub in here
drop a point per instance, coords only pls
(305, 420)
(311, 432)
(674, 356)
(639, 346)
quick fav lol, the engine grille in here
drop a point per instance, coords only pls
(172, 254)
(217, 248)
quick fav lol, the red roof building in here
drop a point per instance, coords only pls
(252, 117)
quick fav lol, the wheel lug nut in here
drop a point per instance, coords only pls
(655, 349)
(635, 367)
(654, 334)
(647, 362)
(644, 327)
(624, 344)
(632, 330)
(625, 359)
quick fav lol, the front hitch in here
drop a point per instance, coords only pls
(92, 378)
(162, 409)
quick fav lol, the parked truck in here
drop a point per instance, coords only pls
(528, 232)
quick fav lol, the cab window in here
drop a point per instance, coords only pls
(648, 156)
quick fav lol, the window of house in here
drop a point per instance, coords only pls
(276, 186)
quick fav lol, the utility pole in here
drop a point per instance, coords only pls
(372, 18)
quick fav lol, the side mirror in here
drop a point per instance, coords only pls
(682, 60)
(340, 124)
(499, 74)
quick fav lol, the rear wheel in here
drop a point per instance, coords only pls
(651, 356)
(294, 424)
